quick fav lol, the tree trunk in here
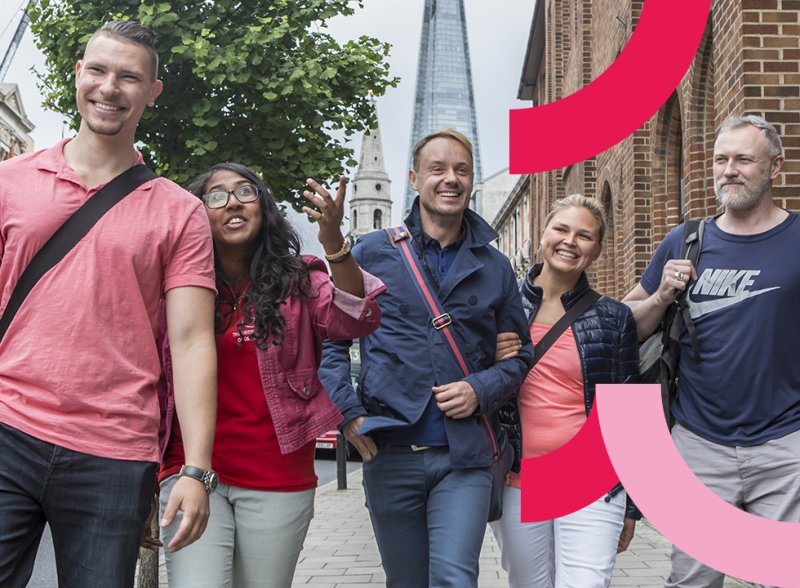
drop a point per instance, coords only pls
(148, 562)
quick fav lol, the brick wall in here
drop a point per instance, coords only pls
(748, 63)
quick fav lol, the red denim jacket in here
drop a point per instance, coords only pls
(299, 406)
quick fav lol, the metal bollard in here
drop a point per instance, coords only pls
(341, 462)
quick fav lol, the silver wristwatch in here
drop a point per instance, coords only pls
(209, 478)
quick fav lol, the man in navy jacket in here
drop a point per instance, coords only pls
(418, 423)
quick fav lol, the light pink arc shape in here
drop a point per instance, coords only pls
(681, 507)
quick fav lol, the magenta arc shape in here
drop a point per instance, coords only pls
(569, 478)
(620, 100)
(681, 507)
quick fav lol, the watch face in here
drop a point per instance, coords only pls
(211, 480)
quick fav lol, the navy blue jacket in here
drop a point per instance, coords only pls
(605, 335)
(405, 357)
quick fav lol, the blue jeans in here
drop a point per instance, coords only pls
(429, 519)
(96, 508)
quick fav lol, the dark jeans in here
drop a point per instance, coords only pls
(429, 519)
(96, 508)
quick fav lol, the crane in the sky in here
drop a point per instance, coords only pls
(12, 48)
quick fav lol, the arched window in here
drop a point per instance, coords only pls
(675, 184)
(377, 219)
(355, 219)
(607, 279)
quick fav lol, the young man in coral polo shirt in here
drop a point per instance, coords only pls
(78, 365)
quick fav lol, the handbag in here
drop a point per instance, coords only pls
(67, 236)
(503, 453)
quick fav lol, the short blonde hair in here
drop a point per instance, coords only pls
(580, 201)
(440, 134)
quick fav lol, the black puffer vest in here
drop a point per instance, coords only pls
(605, 335)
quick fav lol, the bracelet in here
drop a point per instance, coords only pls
(340, 255)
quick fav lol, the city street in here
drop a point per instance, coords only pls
(340, 549)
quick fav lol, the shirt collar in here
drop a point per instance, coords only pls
(53, 160)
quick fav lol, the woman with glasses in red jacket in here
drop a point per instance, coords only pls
(274, 308)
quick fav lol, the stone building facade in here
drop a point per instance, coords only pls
(748, 62)
(514, 236)
(15, 128)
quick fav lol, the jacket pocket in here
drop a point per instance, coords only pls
(304, 383)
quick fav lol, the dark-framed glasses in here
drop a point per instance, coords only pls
(219, 198)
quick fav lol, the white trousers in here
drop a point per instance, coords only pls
(574, 551)
(253, 539)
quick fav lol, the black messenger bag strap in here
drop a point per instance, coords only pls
(580, 306)
(67, 236)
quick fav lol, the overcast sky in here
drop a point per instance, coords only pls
(497, 30)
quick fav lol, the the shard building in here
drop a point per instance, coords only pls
(444, 96)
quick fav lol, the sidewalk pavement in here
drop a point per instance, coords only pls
(340, 549)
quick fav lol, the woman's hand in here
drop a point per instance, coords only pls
(330, 213)
(508, 346)
(625, 537)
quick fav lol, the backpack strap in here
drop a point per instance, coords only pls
(692, 243)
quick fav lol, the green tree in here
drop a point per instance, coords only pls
(253, 81)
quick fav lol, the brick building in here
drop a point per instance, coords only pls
(748, 63)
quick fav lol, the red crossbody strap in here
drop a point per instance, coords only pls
(441, 321)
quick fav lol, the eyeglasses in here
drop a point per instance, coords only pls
(219, 198)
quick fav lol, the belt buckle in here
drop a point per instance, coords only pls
(416, 448)
(441, 321)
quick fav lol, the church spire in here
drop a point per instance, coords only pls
(370, 200)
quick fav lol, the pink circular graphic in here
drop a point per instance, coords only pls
(569, 478)
(620, 100)
(681, 507)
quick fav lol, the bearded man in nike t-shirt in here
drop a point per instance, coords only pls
(738, 409)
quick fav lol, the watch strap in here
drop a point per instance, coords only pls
(206, 477)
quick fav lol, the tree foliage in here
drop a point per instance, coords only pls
(259, 82)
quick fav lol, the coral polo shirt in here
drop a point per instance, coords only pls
(79, 364)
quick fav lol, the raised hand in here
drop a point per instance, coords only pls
(329, 213)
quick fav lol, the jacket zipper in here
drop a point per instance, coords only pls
(495, 452)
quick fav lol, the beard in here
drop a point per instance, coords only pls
(108, 129)
(742, 195)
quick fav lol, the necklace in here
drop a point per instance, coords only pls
(235, 296)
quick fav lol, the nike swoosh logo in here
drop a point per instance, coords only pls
(698, 309)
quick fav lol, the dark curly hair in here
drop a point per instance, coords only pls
(276, 269)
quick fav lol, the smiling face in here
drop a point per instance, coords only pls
(744, 168)
(114, 84)
(571, 240)
(443, 179)
(236, 226)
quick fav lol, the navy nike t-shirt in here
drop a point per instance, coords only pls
(746, 307)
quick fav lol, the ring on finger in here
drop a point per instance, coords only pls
(679, 276)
